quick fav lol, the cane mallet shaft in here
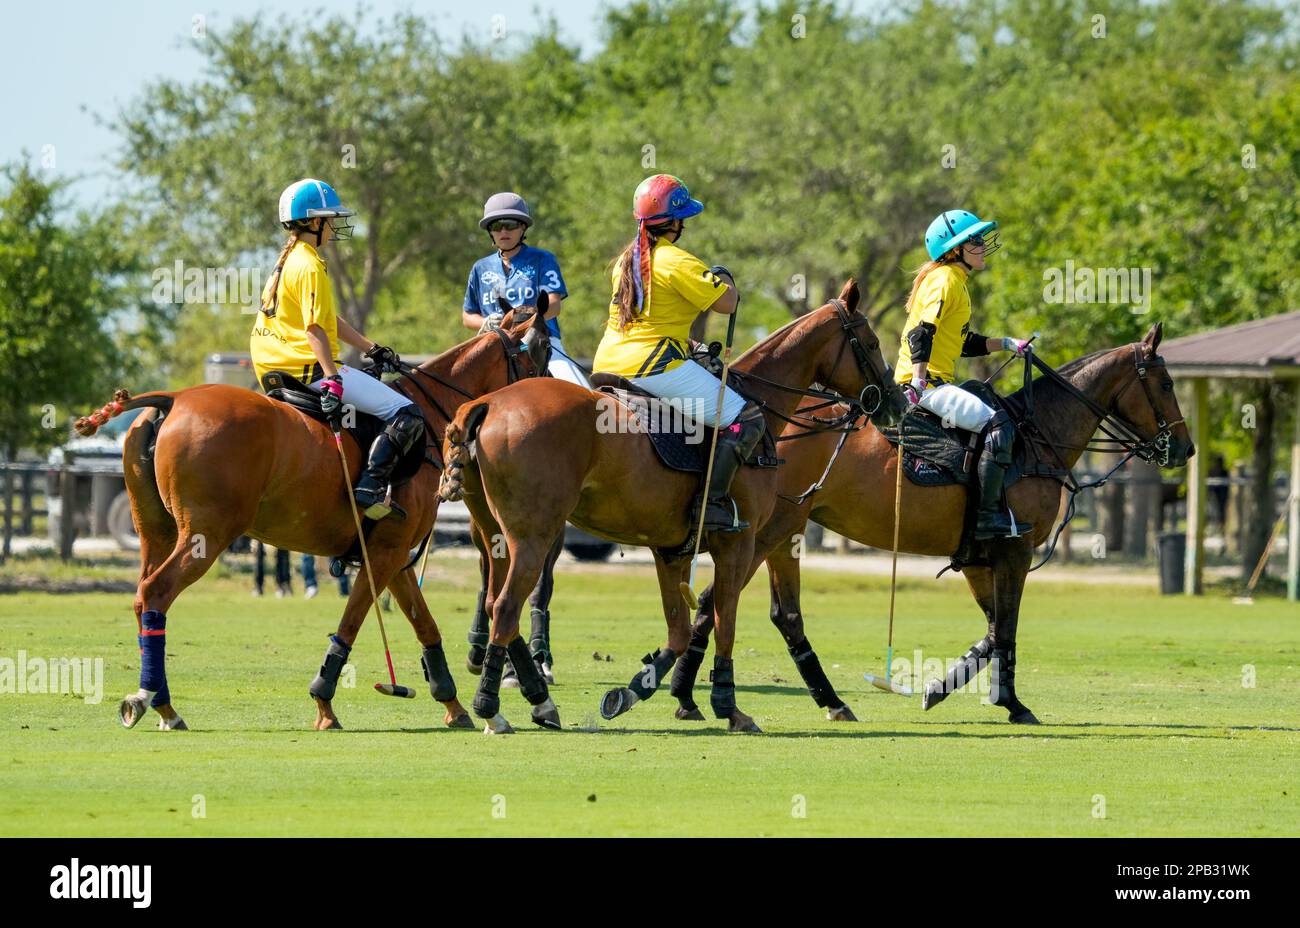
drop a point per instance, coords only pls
(424, 561)
(1248, 597)
(688, 589)
(1003, 365)
(392, 687)
(888, 684)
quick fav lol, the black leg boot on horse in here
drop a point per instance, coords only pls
(995, 519)
(372, 492)
(735, 443)
(1002, 686)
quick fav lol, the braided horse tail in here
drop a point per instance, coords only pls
(457, 452)
(121, 402)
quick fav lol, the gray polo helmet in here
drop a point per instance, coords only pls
(505, 206)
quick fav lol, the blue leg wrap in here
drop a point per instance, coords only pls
(153, 657)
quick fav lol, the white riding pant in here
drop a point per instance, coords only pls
(697, 390)
(366, 394)
(562, 367)
(958, 407)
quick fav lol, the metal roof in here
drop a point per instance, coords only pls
(1260, 348)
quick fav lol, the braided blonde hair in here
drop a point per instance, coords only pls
(269, 308)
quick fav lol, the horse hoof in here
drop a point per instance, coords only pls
(461, 721)
(497, 725)
(510, 682)
(176, 723)
(742, 723)
(474, 661)
(1023, 717)
(693, 714)
(842, 714)
(547, 675)
(132, 710)
(932, 696)
(546, 715)
(616, 702)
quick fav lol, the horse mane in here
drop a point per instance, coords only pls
(780, 333)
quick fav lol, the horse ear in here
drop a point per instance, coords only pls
(849, 294)
(539, 317)
(503, 304)
(1153, 336)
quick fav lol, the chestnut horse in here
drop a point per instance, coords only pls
(1127, 391)
(542, 456)
(228, 461)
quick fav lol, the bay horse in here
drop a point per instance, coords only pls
(227, 461)
(541, 457)
(1056, 420)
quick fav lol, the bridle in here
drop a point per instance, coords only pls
(511, 349)
(867, 403)
(1122, 436)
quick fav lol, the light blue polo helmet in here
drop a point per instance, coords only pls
(309, 199)
(953, 227)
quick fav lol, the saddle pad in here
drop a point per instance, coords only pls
(680, 450)
(364, 433)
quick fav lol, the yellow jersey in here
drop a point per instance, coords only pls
(681, 288)
(305, 296)
(944, 302)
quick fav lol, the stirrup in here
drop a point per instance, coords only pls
(373, 507)
(736, 524)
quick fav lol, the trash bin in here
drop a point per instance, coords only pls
(1173, 551)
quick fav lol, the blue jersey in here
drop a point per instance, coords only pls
(532, 269)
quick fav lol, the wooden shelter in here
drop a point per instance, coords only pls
(1265, 349)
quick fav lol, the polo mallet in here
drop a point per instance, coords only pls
(391, 688)
(424, 561)
(1248, 598)
(887, 682)
(688, 589)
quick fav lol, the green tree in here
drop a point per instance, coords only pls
(63, 287)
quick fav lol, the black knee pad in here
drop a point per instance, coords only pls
(405, 428)
(723, 697)
(327, 680)
(434, 662)
(657, 666)
(531, 683)
(487, 701)
(810, 668)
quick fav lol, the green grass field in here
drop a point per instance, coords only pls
(1141, 697)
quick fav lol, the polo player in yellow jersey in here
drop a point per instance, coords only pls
(297, 332)
(936, 333)
(659, 290)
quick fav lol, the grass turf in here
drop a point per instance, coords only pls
(1145, 715)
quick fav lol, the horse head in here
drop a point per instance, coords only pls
(1152, 408)
(853, 364)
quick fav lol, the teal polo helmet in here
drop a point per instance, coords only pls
(953, 227)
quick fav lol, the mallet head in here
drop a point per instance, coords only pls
(395, 689)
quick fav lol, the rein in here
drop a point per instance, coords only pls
(1120, 433)
(408, 372)
(857, 408)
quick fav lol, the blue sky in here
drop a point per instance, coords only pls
(69, 59)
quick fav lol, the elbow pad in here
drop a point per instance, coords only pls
(920, 342)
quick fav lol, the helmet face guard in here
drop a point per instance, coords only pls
(953, 228)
